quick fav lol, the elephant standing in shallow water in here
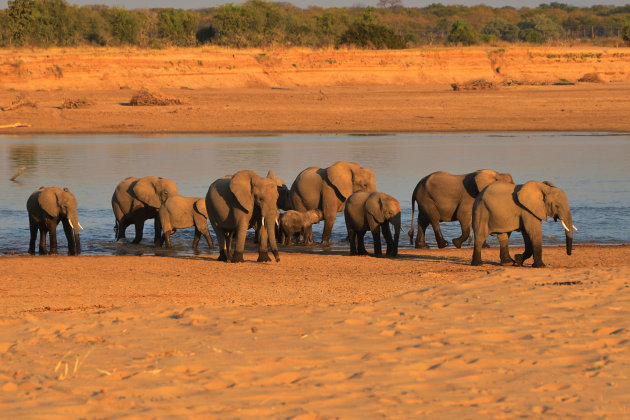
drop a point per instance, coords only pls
(444, 197)
(328, 189)
(234, 203)
(179, 212)
(46, 208)
(502, 208)
(138, 199)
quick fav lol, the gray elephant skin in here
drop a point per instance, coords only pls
(138, 199)
(444, 197)
(179, 212)
(46, 208)
(374, 212)
(294, 222)
(328, 189)
(502, 208)
(234, 203)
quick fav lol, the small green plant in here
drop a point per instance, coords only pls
(199, 63)
(331, 61)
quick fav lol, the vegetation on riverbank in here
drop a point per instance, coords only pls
(257, 23)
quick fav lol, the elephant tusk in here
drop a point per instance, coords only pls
(575, 227)
(565, 226)
(277, 223)
(263, 222)
(71, 225)
(402, 229)
(80, 227)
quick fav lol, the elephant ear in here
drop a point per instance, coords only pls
(532, 196)
(484, 177)
(241, 186)
(340, 177)
(374, 210)
(145, 191)
(48, 201)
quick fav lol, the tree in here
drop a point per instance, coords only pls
(461, 33)
(177, 26)
(20, 14)
(625, 34)
(500, 29)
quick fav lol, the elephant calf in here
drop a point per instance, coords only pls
(299, 222)
(46, 208)
(371, 211)
(179, 212)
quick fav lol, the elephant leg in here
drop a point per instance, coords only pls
(480, 238)
(167, 238)
(42, 241)
(361, 243)
(376, 238)
(504, 252)
(352, 238)
(433, 216)
(157, 224)
(196, 238)
(52, 229)
(206, 234)
(520, 258)
(423, 223)
(534, 230)
(33, 228)
(465, 225)
(389, 240)
(222, 239)
(240, 233)
(328, 225)
(307, 232)
(139, 228)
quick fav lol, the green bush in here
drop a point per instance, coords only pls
(463, 34)
(178, 27)
(371, 35)
(625, 34)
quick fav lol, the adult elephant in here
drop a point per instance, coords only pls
(46, 208)
(179, 212)
(138, 199)
(374, 212)
(502, 208)
(328, 189)
(444, 197)
(234, 203)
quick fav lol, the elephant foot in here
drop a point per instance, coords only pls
(476, 262)
(263, 257)
(136, 241)
(421, 245)
(392, 254)
(222, 257)
(442, 244)
(519, 260)
(325, 243)
(362, 252)
(237, 257)
(457, 243)
(485, 245)
(538, 264)
(508, 262)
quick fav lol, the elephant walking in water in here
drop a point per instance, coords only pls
(328, 189)
(234, 203)
(179, 212)
(138, 199)
(502, 208)
(46, 208)
(444, 197)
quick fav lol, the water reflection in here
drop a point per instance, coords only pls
(592, 169)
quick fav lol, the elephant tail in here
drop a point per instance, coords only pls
(116, 227)
(413, 208)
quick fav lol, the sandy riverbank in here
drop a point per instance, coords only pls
(244, 91)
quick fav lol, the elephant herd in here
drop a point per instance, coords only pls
(488, 201)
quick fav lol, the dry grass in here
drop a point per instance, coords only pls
(146, 98)
(19, 102)
(479, 84)
(75, 103)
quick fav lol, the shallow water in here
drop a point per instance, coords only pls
(592, 168)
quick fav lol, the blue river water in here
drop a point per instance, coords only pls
(592, 168)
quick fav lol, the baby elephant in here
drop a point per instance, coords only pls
(369, 211)
(46, 208)
(295, 222)
(179, 212)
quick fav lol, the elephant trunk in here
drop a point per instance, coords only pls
(72, 235)
(567, 223)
